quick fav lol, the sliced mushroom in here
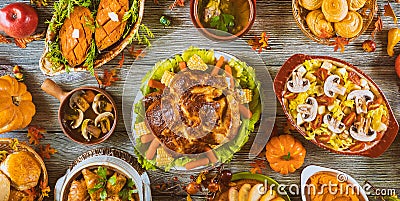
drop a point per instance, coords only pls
(77, 122)
(104, 120)
(100, 104)
(308, 110)
(78, 102)
(334, 125)
(361, 98)
(298, 84)
(89, 130)
(332, 86)
(362, 130)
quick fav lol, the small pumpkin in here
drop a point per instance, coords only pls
(285, 154)
(16, 107)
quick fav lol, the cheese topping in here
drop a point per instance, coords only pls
(75, 33)
(113, 16)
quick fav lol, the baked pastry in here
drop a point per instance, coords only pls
(76, 36)
(311, 4)
(355, 5)
(22, 169)
(335, 10)
(78, 191)
(109, 18)
(17, 195)
(350, 26)
(318, 25)
(4, 187)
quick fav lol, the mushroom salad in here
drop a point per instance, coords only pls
(89, 113)
(335, 105)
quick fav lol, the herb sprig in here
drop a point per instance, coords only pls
(223, 22)
(126, 193)
(102, 183)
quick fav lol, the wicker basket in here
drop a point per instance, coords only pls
(5, 145)
(300, 13)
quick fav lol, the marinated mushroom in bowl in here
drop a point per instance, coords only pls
(88, 114)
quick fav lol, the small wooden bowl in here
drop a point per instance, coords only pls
(216, 34)
(300, 13)
(51, 88)
(5, 145)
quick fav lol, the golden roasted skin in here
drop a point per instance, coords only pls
(22, 169)
(75, 49)
(110, 30)
(203, 116)
(78, 191)
(91, 180)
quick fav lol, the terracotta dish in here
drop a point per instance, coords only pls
(343, 125)
(75, 133)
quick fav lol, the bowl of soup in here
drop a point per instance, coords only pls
(223, 19)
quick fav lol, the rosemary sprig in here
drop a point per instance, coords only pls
(91, 56)
(142, 35)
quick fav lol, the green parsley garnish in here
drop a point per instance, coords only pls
(223, 22)
(126, 193)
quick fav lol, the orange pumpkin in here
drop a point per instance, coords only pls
(16, 107)
(285, 154)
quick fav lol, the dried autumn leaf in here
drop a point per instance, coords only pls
(45, 189)
(180, 3)
(23, 42)
(389, 12)
(3, 39)
(31, 194)
(39, 3)
(35, 133)
(46, 151)
(340, 43)
(188, 198)
(121, 61)
(258, 165)
(109, 76)
(202, 176)
(14, 144)
(136, 53)
(259, 43)
(378, 26)
(3, 155)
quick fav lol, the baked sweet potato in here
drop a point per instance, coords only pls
(110, 24)
(76, 35)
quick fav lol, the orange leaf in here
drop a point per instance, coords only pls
(340, 42)
(258, 165)
(39, 3)
(136, 53)
(378, 26)
(23, 42)
(45, 189)
(180, 3)
(259, 43)
(31, 194)
(35, 133)
(389, 12)
(46, 151)
(3, 39)
(121, 62)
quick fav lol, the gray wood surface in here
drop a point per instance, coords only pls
(286, 39)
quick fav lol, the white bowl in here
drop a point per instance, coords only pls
(313, 169)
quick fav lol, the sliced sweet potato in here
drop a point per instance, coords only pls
(76, 36)
(110, 24)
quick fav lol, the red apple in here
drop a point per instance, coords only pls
(18, 20)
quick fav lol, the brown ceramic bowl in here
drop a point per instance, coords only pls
(374, 150)
(5, 145)
(300, 13)
(216, 34)
(53, 89)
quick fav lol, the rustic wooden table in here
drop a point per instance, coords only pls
(275, 17)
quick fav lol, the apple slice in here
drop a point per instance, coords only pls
(256, 192)
(233, 194)
(269, 195)
(244, 192)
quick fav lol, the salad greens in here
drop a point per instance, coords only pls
(223, 22)
(241, 72)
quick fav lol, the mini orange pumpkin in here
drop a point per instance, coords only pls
(285, 154)
(16, 107)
